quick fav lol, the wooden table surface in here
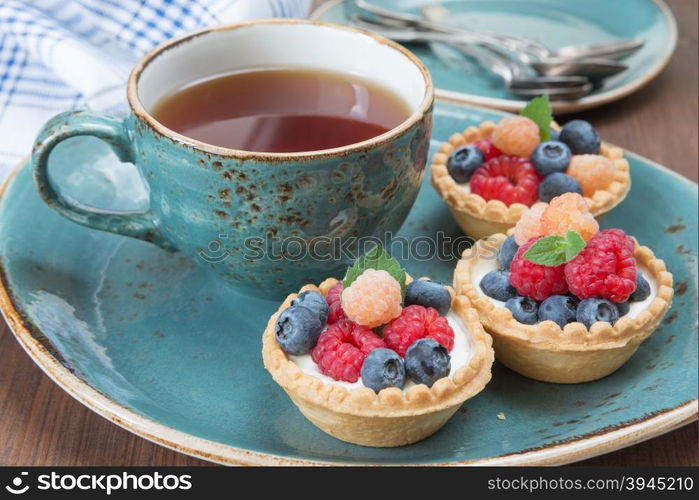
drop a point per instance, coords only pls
(41, 425)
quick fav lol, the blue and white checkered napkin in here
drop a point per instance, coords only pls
(57, 55)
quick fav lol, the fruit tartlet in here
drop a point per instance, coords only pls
(491, 174)
(377, 359)
(564, 301)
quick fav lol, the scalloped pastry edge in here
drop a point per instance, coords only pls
(547, 335)
(496, 212)
(448, 392)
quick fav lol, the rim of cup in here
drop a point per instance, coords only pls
(140, 110)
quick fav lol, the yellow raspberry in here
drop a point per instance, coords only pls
(569, 212)
(529, 225)
(516, 135)
(373, 299)
(593, 172)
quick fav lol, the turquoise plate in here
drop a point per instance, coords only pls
(553, 22)
(152, 342)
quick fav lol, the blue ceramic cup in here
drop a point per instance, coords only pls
(266, 221)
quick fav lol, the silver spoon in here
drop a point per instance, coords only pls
(560, 87)
(556, 87)
(517, 44)
(390, 17)
(438, 13)
(597, 68)
(612, 50)
(415, 36)
(594, 68)
(510, 70)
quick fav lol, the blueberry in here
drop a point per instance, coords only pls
(550, 157)
(555, 134)
(507, 252)
(558, 308)
(592, 310)
(556, 184)
(624, 308)
(496, 284)
(383, 368)
(642, 290)
(426, 361)
(581, 137)
(463, 162)
(297, 329)
(315, 302)
(428, 293)
(524, 309)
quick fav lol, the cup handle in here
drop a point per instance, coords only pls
(113, 131)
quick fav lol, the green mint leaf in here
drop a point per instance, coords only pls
(548, 251)
(555, 250)
(376, 258)
(574, 245)
(538, 110)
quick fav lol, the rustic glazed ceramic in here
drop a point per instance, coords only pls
(264, 220)
(161, 347)
(556, 23)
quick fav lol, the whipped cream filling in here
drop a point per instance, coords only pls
(484, 266)
(460, 356)
(465, 186)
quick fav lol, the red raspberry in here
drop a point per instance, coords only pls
(534, 280)
(605, 268)
(487, 148)
(510, 179)
(341, 349)
(336, 312)
(414, 323)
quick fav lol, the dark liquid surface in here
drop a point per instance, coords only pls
(282, 110)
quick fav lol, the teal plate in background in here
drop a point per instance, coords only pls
(154, 343)
(555, 23)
